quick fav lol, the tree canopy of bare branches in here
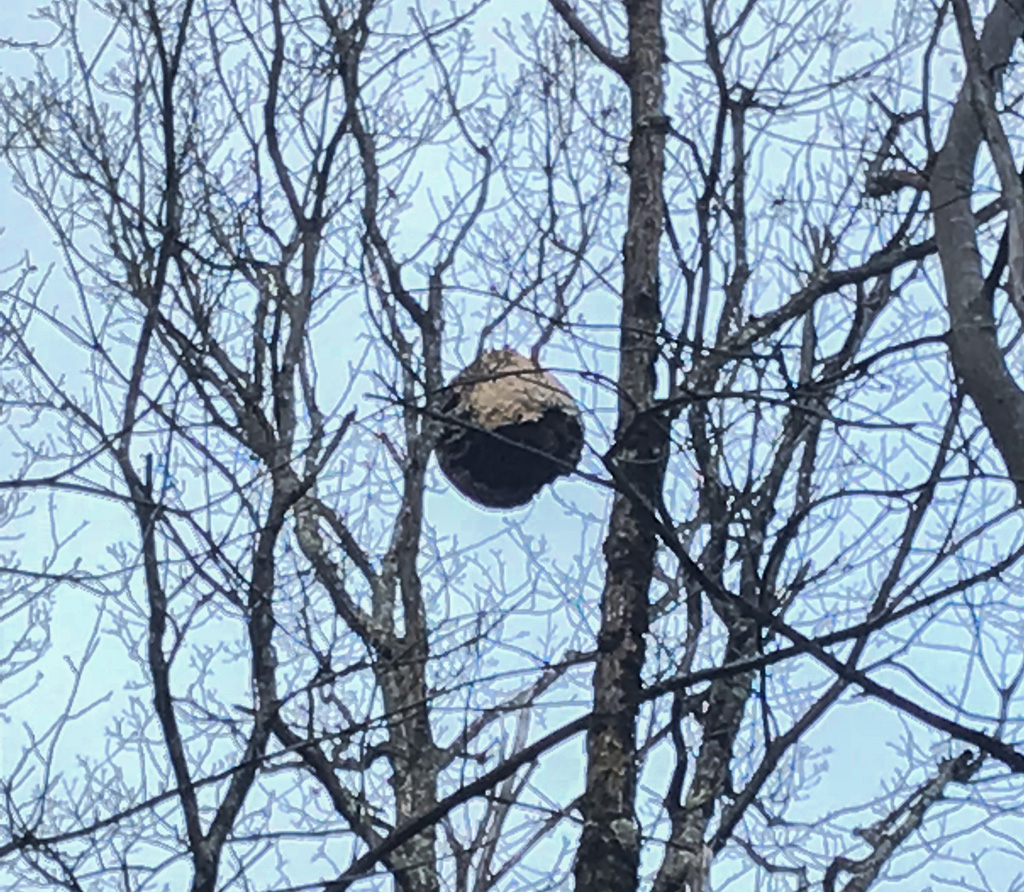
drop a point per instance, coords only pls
(763, 633)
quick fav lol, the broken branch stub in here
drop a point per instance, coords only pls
(510, 428)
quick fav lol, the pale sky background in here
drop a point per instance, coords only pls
(858, 735)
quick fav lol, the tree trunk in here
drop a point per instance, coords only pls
(974, 346)
(609, 849)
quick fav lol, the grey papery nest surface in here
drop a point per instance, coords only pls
(510, 428)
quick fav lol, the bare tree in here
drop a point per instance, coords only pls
(764, 633)
(26, 594)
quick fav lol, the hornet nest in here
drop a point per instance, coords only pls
(509, 429)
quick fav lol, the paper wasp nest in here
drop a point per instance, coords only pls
(510, 429)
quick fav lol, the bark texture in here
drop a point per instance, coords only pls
(609, 850)
(974, 346)
(686, 861)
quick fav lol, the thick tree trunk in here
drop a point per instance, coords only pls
(609, 850)
(403, 680)
(974, 346)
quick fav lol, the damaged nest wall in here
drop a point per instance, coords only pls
(510, 428)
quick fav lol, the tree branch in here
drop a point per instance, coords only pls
(618, 64)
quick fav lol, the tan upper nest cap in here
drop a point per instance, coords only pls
(504, 387)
